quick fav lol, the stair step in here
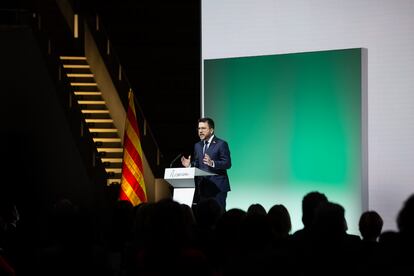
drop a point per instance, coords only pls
(113, 170)
(110, 149)
(72, 58)
(95, 111)
(113, 181)
(91, 102)
(99, 116)
(80, 75)
(89, 98)
(99, 120)
(115, 173)
(96, 116)
(113, 130)
(111, 160)
(88, 93)
(107, 140)
(83, 84)
(77, 66)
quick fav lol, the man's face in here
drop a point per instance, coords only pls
(204, 131)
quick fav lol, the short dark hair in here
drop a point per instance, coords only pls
(207, 120)
(405, 216)
(370, 225)
(309, 203)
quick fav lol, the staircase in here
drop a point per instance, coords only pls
(96, 115)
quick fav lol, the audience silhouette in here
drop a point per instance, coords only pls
(404, 241)
(73, 248)
(167, 237)
(309, 203)
(256, 209)
(370, 226)
(280, 223)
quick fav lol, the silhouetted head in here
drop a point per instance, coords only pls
(169, 225)
(229, 225)
(188, 214)
(370, 225)
(405, 219)
(330, 220)
(256, 209)
(207, 212)
(309, 203)
(279, 219)
(255, 232)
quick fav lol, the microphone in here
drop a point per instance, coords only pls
(175, 159)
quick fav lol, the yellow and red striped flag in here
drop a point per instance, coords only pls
(132, 183)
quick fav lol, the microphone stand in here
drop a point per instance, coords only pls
(175, 159)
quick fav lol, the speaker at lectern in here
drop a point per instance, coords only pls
(183, 182)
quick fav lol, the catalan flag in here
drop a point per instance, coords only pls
(132, 183)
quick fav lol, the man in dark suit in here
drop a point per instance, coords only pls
(211, 154)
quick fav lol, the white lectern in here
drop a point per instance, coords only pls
(183, 182)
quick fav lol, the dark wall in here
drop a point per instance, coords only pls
(40, 159)
(159, 46)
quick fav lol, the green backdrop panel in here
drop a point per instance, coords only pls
(293, 123)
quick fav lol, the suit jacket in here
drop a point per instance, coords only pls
(219, 152)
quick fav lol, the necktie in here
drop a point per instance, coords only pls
(205, 146)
